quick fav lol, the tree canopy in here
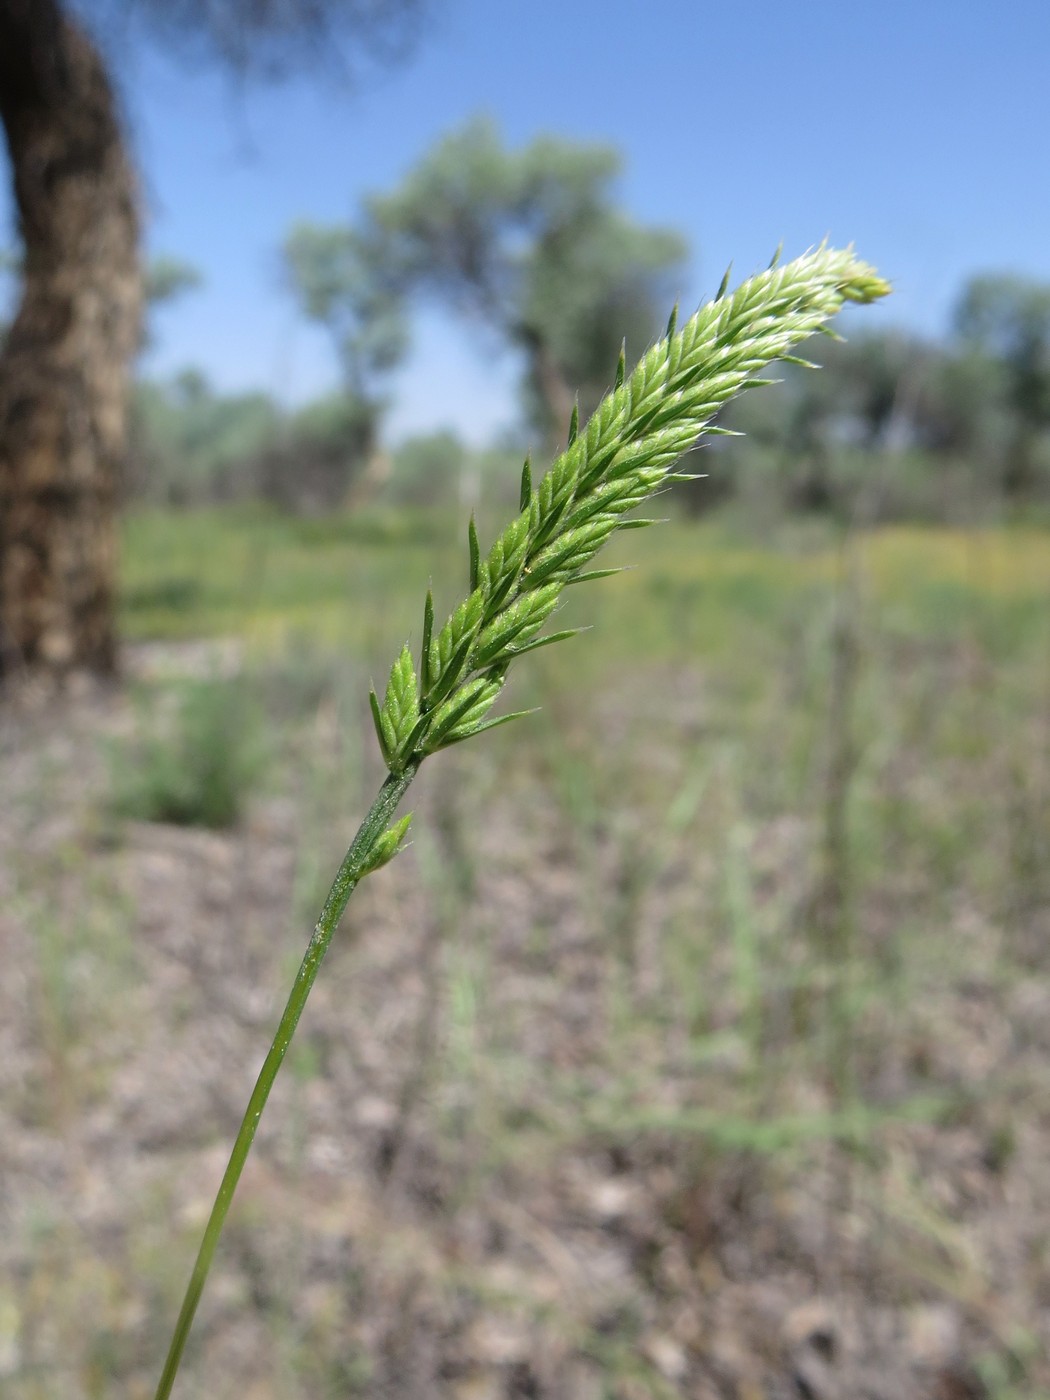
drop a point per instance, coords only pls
(529, 245)
(1004, 322)
(334, 275)
(268, 39)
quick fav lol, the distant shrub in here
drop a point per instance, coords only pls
(190, 444)
(195, 768)
(427, 470)
(323, 452)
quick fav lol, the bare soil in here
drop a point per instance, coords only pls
(523, 1146)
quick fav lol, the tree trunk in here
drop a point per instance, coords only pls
(65, 362)
(556, 398)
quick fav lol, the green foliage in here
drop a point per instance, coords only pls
(338, 281)
(267, 40)
(427, 470)
(190, 444)
(1005, 322)
(193, 768)
(528, 243)
(322, 451)
(168, 278)
(915, 429)
(896, 427)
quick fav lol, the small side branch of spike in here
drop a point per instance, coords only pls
(475, 553)
(574, 423)
(526, 485)
(425, 675)
(621, 367)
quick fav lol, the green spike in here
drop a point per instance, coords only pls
(475, 553)
(593, 574)
(386, 847)
(776, 256)
(428, 629)
(526, 485)
(466, 707)
(621, 367)
(574, 423)
(446, 683)
(377, 720)
(411, 740)
(672, 321)
(554, 636)
(457, 736)
(724, 284)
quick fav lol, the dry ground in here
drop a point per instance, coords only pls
(623, 1082)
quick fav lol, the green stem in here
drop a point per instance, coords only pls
(379, 814)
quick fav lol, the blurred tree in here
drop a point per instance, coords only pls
(322, 453)
(64, 361)
(168, 278)
(334, 276)
(873, 394)
(189, 444)
(874, 380)
(1004, 321)
(936, 413)
(165, 279)
(339, 283)
(431, 468)
(531, 245)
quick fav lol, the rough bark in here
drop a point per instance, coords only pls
(65, 363)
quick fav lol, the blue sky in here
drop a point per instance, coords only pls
(916, 130)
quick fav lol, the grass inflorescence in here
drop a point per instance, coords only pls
(617, 462)
(624, 456)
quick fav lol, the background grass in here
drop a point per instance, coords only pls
(717, 988)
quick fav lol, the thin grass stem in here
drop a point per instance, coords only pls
(349, 873)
